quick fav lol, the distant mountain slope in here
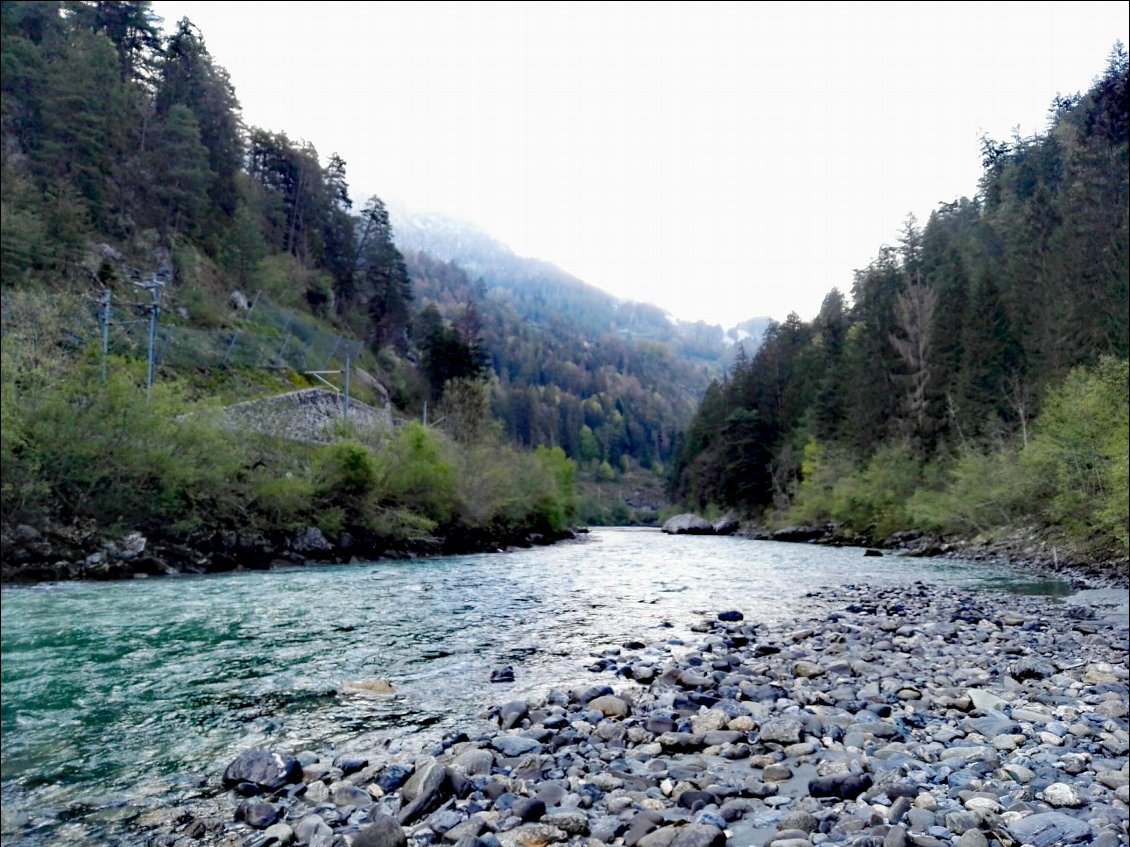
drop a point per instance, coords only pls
(544, 293)
(601, 396)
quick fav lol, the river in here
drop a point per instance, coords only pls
(117, 697)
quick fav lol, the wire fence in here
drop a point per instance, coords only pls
(262, 335)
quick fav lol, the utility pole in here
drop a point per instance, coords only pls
(105, 329)
(154, 287)
(346, 388)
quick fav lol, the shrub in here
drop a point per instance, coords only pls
(977, 491)
(1078, 454)
(83, 448)
(416, 476)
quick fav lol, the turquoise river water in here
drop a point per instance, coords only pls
(122, 697)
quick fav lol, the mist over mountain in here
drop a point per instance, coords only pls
(544, 293)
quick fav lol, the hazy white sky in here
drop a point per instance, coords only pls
(719, 160)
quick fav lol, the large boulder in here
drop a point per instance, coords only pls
(264, 769)
(800, 533)
(311, 544)
(728, 524)
(688, 524)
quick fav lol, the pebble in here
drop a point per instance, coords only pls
(911, 715)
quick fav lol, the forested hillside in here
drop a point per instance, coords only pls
(603, 398)
(541, 292)
(125, 161)
(975, 378)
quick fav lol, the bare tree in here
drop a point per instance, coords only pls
(914, 311)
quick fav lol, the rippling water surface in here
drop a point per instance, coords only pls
(118, 696)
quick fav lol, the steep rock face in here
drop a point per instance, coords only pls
(312, 414)
(688, 524)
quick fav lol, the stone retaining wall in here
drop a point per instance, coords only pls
(311, 415)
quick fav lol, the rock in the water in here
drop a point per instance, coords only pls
(1049, 829)
(800, 533)
(266, 770)
(382, 831)
(688, 524)
(728, 524)
(310, 542)
(505, 674)
(731, 615)
(369, 687)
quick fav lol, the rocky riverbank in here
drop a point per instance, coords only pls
(38, 554)
(912, 716)
(1039, 548)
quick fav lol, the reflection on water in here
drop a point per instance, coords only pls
(160, 682)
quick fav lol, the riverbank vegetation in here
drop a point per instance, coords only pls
(976, 380)
(126, 161)
(80, 448)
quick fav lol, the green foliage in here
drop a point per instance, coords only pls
(417, 476)
(872, 500)
(948, 395)
(558, 504)
(559, 381)
(87, 449)
(1079, 453)
(822, 467)
(978, 491)
(284, 501)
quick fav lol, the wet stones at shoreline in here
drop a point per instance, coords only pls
(912, 716)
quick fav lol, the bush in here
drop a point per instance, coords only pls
(872, 500)
(822, 467)
(416, 476)
(80, 448)
(977, 491)
(1078, 454)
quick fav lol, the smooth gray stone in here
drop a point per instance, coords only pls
(269, 771)
(699, 835)
(257, 813)
(972, 838)
(346, 794)
(382, 831)
(1048, 829)
(514, 745)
